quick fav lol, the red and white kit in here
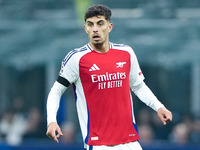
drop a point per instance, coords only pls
(103, 98)
(102, 84)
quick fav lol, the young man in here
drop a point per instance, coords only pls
(102, 74)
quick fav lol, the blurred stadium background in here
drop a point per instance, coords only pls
(35, 35)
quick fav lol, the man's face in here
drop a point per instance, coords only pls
(98, 29)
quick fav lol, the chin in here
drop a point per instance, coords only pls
(97, 42)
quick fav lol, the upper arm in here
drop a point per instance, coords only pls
(69, 70)
(63, 81)
(136, 76)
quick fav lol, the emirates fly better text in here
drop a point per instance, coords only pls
(109, 80)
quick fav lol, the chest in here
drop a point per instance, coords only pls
(114, 61)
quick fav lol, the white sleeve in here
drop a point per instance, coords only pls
(143, 92)
(70, 67)
(53, 101)
(136, 76)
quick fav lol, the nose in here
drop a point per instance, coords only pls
(95, 28)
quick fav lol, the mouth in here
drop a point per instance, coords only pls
(96, 37)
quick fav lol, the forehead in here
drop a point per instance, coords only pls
(96, 18)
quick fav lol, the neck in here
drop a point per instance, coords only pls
(101, 48)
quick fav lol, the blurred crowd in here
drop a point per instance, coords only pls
(17, 126)
(184, 129)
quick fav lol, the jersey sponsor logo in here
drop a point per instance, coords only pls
(108, 76)
(109, 80)
(94, 68)
(120, 64)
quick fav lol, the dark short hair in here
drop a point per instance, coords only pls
(96, 10)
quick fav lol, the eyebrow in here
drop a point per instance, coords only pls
(89, 22)
(97, 21)
(100, 21)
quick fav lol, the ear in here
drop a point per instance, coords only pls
(85, 29)
(110, 26)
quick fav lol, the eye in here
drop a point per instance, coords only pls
(90, 24)
(101, 23)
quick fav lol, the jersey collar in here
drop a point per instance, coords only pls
(88, 45)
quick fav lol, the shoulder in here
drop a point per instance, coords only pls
(121, 47)
(125, 48)
(76, 53)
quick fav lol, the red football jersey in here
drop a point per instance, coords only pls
(102, 89)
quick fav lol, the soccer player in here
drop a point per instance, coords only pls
(102, 74)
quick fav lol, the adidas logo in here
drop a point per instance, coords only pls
(94, 68)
